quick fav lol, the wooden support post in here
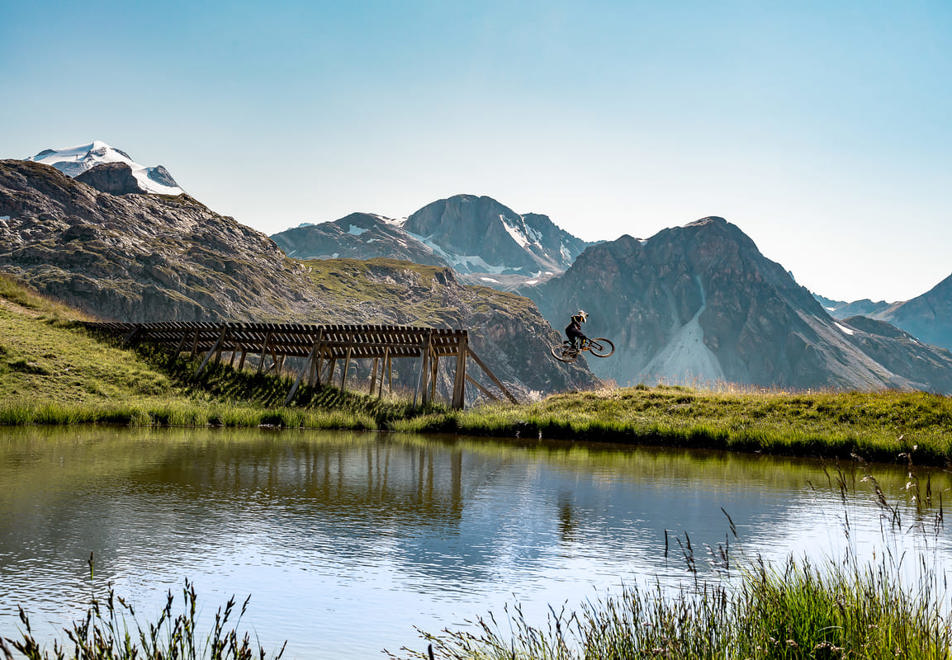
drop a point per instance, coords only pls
(383, 366)
(231, 362)
(459, 382)
(221, 338)
(131, 335)
(241, 362)
(491, 375)
(264, 350)
(195, 345)
(390, 374)
(420, 387)
(434, 370)
(330, 371)
(307, 366)
(181, 345)
(343, 373)
(482, 389)
(315, 365)
(373, 377)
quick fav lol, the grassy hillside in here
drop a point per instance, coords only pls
(52, 371)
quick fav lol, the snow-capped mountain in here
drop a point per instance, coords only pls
(74, 161)
(480, 235)
(484, 241)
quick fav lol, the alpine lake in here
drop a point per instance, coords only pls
(348, 541)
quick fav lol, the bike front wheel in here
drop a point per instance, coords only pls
(601, 347)
(564, 352)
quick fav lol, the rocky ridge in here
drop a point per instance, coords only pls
(484, 241)
(701, 304)
(146, 257)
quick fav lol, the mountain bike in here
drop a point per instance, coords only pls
(599, 347)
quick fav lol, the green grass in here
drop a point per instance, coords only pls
(110, 630)
(54, 372)
(800, 611)
(873, 425)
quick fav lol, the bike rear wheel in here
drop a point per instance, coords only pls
(564, 352)
(601, 347)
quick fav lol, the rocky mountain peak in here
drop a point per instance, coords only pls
(700, 303)
(74, 161)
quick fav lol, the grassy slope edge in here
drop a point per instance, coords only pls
(52, 371)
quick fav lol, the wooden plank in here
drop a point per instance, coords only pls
(343, 373)
(491, 375)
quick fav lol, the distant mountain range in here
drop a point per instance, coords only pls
(477, 236)
(697, 303)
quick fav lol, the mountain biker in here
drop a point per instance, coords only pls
(574, 329)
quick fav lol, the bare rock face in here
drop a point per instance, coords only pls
(928, 317)
(700, 303)
(112, 178)
(150, 258)
(482, 235)
(356, 236)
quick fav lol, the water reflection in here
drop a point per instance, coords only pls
(391, 531)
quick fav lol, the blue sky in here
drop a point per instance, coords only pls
(824, 130)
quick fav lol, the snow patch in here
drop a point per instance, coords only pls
(848, 331)
(514, 233)
(73, 161)
(532, 281)
(460, 263)
(489, 279)
(686, 356)
(356, 231)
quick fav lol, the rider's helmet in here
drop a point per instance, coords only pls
(582, 314)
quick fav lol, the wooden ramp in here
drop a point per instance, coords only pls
(322, 346)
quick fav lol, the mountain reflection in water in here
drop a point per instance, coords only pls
(345, 541)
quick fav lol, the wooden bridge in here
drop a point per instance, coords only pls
(322, 346)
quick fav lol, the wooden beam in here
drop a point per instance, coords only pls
(241, 362)
(420, 387)
(343, 373)
(264, 350)
(384, 366)
(491, 375)
(373, 377)
(195, 345)
(459, 381)
(307, 366)
(481, 388)
(221, 338)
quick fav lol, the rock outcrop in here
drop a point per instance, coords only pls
(928, 317)
(356, 236)
(112, 178)
(147, 257)
(700, 303)
(480, 235)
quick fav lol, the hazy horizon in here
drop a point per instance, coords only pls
(820, 129)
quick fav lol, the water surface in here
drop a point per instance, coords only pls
(346, 541)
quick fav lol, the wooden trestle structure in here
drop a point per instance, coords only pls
(322, 346)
